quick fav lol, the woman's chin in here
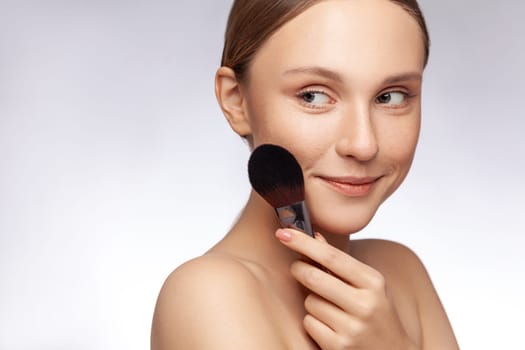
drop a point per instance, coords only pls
(332, 213)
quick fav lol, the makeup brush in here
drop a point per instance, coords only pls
(276, 176)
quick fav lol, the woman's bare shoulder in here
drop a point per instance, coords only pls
(374, 246)
(387, 256)
(401, 266)
(209, 268)
(212, 302)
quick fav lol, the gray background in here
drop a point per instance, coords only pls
(116, 165)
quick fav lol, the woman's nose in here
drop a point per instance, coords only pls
(357, 136)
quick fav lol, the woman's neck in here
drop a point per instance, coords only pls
(253, 237)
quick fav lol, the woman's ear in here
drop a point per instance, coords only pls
(231, 100)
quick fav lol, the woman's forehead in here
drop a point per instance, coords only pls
(346, 35)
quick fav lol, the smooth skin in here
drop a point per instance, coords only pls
(343, 95)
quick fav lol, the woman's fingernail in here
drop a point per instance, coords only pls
(284, 235)
(319, 237)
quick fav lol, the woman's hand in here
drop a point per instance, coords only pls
(348, 307)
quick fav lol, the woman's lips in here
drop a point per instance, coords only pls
(351, 186)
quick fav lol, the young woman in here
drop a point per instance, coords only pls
(338, 84)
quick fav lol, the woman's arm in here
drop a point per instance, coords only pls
(436, 329)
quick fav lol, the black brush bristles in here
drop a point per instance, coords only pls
(276, 175)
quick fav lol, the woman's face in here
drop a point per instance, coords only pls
(339, 86)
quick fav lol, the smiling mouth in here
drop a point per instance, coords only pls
(351, 187)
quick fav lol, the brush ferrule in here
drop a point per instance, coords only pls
(296, 216)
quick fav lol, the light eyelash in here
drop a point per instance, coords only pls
(408, 96)
(302, 93)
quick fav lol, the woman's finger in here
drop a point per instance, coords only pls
(319, 332)
(320, 237)
(326, 337)
(325, 311)
(330, 288)
(339, 263)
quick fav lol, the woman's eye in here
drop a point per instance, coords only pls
(315, 98)
(393, 98)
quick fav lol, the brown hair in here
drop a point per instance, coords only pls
(251, 22)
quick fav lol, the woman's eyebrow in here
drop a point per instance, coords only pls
(403, 77)
(332, 75)
(314, 70)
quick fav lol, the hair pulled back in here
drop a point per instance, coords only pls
(251, 22)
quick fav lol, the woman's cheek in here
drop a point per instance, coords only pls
(398, 153)
(331, 215)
